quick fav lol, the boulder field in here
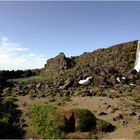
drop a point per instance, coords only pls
(111, 73)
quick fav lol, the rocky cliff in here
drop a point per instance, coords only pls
(103, 70)
(57, 65)
(120, 57)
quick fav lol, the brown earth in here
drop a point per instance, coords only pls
(111, 108)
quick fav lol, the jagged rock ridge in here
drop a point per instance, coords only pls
(120, 57)
(57, 64)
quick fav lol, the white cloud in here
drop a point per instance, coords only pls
(13, 56)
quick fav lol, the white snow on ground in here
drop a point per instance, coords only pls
(85, 81)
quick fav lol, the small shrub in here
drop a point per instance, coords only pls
(104, 126)
(86, 120)
(35, 79)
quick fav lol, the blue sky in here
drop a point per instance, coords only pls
(32, 32)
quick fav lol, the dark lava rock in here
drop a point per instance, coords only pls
(137, 82)
(133, 114)
(67, 84)
(102, 113)
(69, 81)
(86, 93)
(131, 76)
(133, 71)
(113, 71)
(38, 85)
(118, 117)
(99, 80)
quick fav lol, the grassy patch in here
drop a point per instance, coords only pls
(43, 120)
(35, 79)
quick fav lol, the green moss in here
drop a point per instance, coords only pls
(81, 64)
(87, 120)
(104, 126)
(34, 79)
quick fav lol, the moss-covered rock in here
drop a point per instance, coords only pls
(77, 119)
(87, 120)
(104, 126)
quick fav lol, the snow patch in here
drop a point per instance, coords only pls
(85, 81)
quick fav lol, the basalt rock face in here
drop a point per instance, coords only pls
(57, 65)
(117, 58)
(120, 57)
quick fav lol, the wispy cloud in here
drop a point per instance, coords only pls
(13, 56)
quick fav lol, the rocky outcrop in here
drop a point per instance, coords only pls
(77, 119)
(82, 120)
(115, 59)
(120, 57)
(111, 70)
(57, 65)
